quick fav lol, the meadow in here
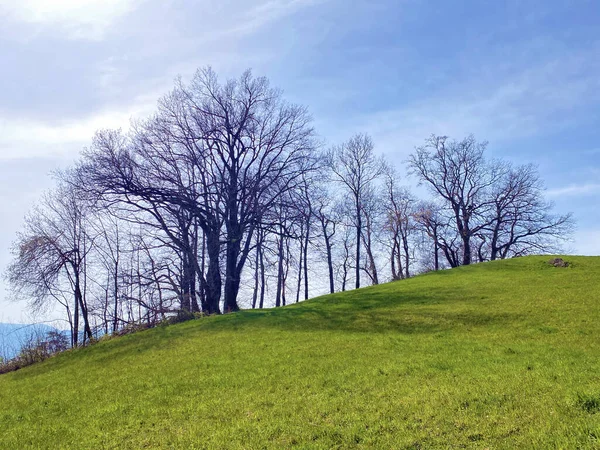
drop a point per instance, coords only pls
(499, 355)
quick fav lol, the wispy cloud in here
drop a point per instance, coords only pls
(545, 97)
(275, 9)
(241, 18)
(575, 190)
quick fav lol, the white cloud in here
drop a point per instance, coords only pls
(24, 138)
(79, 19)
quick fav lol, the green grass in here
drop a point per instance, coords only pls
(501, 355)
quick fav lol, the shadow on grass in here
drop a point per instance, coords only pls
(375, 309)
(371, 321)
(389, 308)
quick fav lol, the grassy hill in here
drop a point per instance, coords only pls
(497, 355)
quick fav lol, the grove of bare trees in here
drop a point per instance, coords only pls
(225, 198)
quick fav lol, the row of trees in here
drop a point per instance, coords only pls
(225, 197)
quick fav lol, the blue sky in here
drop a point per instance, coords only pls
(524, 75)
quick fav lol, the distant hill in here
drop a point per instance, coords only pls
(13, 336)
(500, 355)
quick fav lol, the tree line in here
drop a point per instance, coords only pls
(226, 198)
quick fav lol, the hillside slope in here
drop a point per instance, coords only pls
(497, 355)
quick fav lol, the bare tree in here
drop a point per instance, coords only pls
(497, 210)
(260, 149)
(399, 223)
(344, 260)
(50, 257)
(325, 214)
(304, 212)
(458, 173)
(371, 212)
(110, 247)
(356, 168)
(521, 220)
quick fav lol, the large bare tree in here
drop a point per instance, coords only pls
(497, 210)
(458, 173)
(259, 149)
(224, 154)
(521, 220)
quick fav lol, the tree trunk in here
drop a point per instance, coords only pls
(75, 334)
(232, 281)
(306, 241)
(262, 278)
(213, 273)
(329, 260)
(116, 304)
(465, 233)
(406, 256)
(494, 243)
(462, 226)
(370, 257)
(256, 271)
(466, 250)
(345, 266)
(358, 233)
(279, 271)
(393, 262)
(201, 275)
(436, 251)
(193, 272)
(397, 269)
(184, 300)
(300, 263)
(84, 313)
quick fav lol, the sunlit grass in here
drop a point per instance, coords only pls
(499, 355)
